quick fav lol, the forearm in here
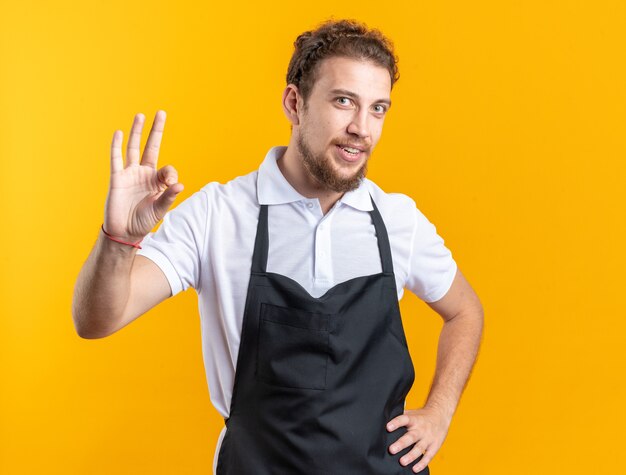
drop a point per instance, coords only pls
(459, 342)
(102, 287)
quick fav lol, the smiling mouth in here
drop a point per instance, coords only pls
(349, 154)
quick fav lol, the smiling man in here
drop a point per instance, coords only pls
(336, 127)
(299, 267)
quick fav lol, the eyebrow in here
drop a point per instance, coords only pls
(345, 92)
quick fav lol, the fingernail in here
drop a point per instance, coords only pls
(390, 426)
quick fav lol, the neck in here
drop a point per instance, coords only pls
(294, 171)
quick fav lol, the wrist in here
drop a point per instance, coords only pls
(122, 242)
(446, 410)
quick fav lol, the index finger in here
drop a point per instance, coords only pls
(397, 421)
(151, 151)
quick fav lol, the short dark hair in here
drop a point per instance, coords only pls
(343, 38)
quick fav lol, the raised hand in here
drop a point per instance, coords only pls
(139, 194)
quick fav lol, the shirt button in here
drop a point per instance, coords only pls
(309, 205)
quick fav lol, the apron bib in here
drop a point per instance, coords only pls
(317, 379)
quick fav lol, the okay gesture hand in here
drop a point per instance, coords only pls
(139, 193)
(427, 429)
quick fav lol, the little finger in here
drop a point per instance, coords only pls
(427, 456)
(117, 162)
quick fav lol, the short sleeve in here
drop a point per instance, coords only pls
(177, 246)
(431, 266)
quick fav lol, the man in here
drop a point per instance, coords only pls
(299, 267)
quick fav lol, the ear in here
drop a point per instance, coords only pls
(291, 103)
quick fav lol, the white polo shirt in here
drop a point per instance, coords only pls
(206, 242)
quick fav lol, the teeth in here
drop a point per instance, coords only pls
(351, 150)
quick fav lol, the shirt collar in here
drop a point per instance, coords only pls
(273, 188)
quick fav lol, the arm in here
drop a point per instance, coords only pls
(115, 286)
(459, 341)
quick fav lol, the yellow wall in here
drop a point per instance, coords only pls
(507, 129)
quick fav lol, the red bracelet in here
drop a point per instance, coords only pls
(136, 244)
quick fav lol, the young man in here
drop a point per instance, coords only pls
(299, 267)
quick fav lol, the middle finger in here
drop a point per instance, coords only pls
(151, 151)
(403, 442)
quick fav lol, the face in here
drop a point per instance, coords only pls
(342, 121)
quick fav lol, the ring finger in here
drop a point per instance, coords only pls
(424, 458)
(417, 451)
(134, 140)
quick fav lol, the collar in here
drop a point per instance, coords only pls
(273, 188)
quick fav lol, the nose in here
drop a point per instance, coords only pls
(359, 125)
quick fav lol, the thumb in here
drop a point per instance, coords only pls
(163, 202)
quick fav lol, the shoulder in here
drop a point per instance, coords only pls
(243, 186)
(401, 215)
(393, 206)
(398, 212)
(235, 195)
(215, 197)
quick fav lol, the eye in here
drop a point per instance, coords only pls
(382, 109)
(345, 103)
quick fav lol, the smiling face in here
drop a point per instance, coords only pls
(342, 122)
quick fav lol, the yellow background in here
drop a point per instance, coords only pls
(507, 129)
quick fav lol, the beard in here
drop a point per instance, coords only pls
(321, 168)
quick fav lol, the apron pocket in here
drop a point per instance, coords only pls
(292, 347)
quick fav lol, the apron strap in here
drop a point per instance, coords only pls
(261, 243)
(383, 239)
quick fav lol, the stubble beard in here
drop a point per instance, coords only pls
(321, 168)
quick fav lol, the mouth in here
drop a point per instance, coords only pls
(349, 154)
